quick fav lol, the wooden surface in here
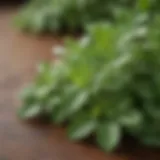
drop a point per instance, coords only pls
(19, 54)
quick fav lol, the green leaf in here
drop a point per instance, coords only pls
(131, 119)
(30, 112)
(81, 129)
(53, 103)
(73, 106)
(42, 92)
(79, 101)
(108, 135)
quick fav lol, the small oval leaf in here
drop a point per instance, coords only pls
(81, 129)
(108, 135)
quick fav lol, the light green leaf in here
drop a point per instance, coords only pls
(72, 107)
(81, 129)
(52, 104)
(30, 112)
(131, 119)
(79, 101)
(108, 135)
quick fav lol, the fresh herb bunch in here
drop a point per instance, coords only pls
(70, 15)
(105, 84)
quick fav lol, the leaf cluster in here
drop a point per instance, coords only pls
(67, 15)
(104, 85)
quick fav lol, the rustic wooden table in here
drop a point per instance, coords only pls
(19, 55)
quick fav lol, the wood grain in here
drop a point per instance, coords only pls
(19, 54)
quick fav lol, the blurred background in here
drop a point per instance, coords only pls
(11, 2)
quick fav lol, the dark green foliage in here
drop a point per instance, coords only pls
(39, 16)
(69, 15)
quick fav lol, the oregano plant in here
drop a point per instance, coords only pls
(105, 84)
